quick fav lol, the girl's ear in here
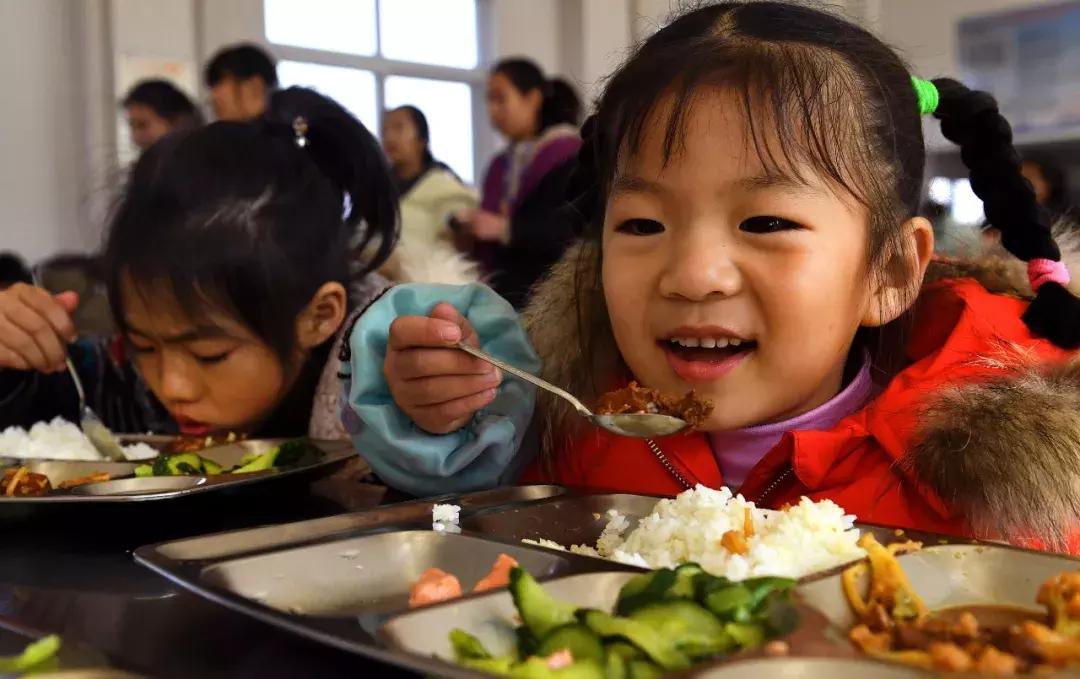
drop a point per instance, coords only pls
(903, 271)
(322, 317)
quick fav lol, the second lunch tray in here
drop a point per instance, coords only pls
(344, 581)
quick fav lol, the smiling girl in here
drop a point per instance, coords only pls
(753, 174)
(228, 276)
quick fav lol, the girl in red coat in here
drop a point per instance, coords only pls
(750, 184)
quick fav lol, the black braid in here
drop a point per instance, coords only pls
(583, 190)
(971, 120)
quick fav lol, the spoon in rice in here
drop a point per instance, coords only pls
(635, 425)
(100, 437)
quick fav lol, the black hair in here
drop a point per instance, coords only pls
(423, 131)
(13, 269)
(821, 93)
(561, 104)
(251, 218)
(243, 62)
(164, 99)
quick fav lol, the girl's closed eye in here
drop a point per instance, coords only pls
(211, 359)
(640, 227)
(768, 224)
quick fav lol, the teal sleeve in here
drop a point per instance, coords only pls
(480, 455)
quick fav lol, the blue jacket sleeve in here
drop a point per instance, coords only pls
(480, 455)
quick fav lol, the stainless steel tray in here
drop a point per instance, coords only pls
(303, 577)
(152, 489)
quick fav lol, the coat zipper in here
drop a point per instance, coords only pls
(686, 484)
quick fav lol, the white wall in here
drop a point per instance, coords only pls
(41, 188)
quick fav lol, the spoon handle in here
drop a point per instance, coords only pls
(532, 379)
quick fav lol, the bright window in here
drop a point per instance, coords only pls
(448, 109)
(374, 55)
(351, 87)
(440, 32)
(346, 26)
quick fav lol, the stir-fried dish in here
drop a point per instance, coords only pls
(895, 625)
(435, 585)
(289, 453)
(635, 399)
(38, 657)
(21, 482)
(664, 621)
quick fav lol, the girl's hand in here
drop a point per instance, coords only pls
(490, 226)
(35, 328)
(438, 387)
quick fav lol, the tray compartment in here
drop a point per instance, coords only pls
(954, 575)
(367, 574)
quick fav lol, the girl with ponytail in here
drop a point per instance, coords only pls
(518, 232)
(229, 278)
(749, 189)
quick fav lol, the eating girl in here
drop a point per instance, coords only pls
(752, 178)
(229, 279)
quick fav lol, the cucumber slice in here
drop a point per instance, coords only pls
(582, 643)
(644, 589)
(661, 649)
(466, 646)
(538, 610)
(693, 630)
(643, 669)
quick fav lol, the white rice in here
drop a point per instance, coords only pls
(444, 518)
(59, 440)
(807, 538)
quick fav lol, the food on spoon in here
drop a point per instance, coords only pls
(635, 399)
(729, 536)
(665, 621)
(96, 477)
(21, 482)
(60, 440)
(434, 585)
(499, 575)
(895, 625)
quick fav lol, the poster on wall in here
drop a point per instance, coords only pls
(1030, 60)
(129, 71)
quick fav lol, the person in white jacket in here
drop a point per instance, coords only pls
(430, 194)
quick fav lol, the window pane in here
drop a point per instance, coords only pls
(441, 32)
(332, 25)
(352, 88)
(448, 108)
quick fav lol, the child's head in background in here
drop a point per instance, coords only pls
(756, 175)
(228, 256)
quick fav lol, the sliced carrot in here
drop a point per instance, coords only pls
(499, 575)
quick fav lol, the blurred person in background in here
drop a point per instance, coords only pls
(241, 79)
(430, 193)
(518, 232)
(1048, 181)
(155, 108)
(13, 269)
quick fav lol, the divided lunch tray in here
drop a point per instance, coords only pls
(128, 488)
(344, 580)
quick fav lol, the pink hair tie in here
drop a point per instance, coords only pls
(1042, 271)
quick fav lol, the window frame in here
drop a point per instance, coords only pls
(484, 139)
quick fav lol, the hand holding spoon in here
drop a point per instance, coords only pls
(636, 425)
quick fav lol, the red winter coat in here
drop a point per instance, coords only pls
(963, 337)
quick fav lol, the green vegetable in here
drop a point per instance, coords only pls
(726, 601)
(692, 629)
(643, 669)
(615, 666)
(259, 463)
(144, 470)
(574, 637)
(39, 656)
(466, 646)
(538, 610)
(211, 467)
(500, 665)
(179, 464)
(536, 668)
(763, 588)
(526, 642)
(644, 589)
(662, 650)
(746, 634)
(624, 650)
(685, 577)
(292, 452)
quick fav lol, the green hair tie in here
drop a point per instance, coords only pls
(927, 93)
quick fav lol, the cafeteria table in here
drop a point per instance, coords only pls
(72, 574)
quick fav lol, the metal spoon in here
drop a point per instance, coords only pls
(637, 425)
(91, 424)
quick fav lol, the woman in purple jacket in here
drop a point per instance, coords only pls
(517, 233)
